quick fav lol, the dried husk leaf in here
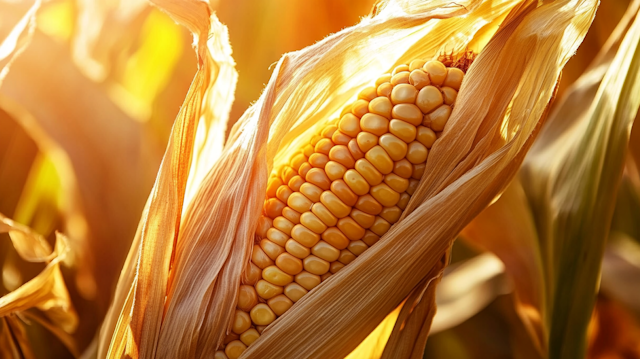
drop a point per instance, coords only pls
(571, 179)
(46, 291)
(18, 39)
(134, 329)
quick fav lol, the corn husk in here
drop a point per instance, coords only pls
(46, 292)
(18, 38)
(556, 219)
(503, 102)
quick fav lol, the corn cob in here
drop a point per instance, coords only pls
(342, 192)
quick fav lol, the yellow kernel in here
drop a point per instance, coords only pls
(277, 276)
(380, 159)
(260, 328)
(404, 93)
(324, 214)
(419, 79)
(399, 68)
(368, 172)
(289, 264)
(277, 236)
(272, 186)
(357, 247)
(297, 161)
(334, 204)
(437, 72)
(370, 238)
(366, 141)
(324, 146)
(380, 226)
(365, 220)
(307, 150)
(354, 149)
(264, 223)
(291, 215)
(385, 195)
(251, 274)
(342, 190)
(403, 130)
(335, 170)
(327, 132)
(273, 207)
(318, 160)
(391, 214)
(349, 125)
(298, 202)
(325, 251)
(261, 314)
(368, 204)
(417, 152)
(350, 228)
(295, 291)
(241, 322)
(416, 64)
(271, 249)
(395, 147)
(296, 249)
(304, 169)
(247, 297)
(418, 171)
(311, 221)
(429, 98)
(326, 276)
(279, 304)
(267, 290)
(413, 185)
(340, 138)
(259, 258)
(249, 337)
(426, 136)
(335, 267)
(381, 106)
(454, 78)
(307, 280)
(283, 193)
(449, 95)
(360, 107)
(304, 235)
(335, 238)
(396, 182)
(311, 191)
(318, 177)
(382, 79)
(315, 265)
(368, 93)
(439, 117)
(403, 168)
(404, 200)
(384, 89)
(346, 257)
(341, 154)
(400, 78)
(235, 349)
(374, 124)
(288, 173)
(407, 112)
(356, 182)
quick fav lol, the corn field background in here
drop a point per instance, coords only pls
(91, 89)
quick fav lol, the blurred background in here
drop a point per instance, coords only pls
(85, 114)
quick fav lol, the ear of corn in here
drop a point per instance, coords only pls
(342, 191)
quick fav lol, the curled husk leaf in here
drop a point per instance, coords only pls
(522, 47)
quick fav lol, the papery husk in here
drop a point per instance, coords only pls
(571, 179)
(18, 39)
(46, 291)
(133, 330)
(513, 230)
